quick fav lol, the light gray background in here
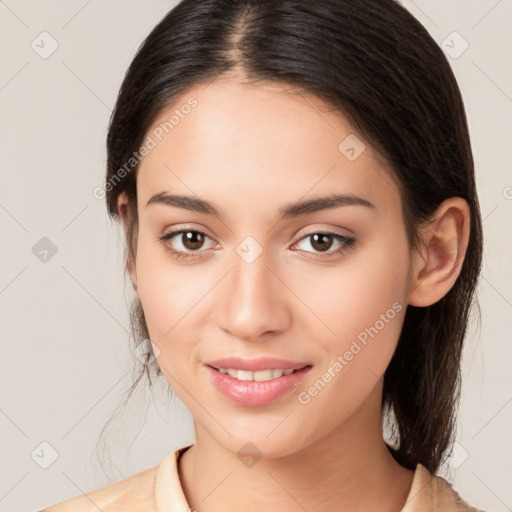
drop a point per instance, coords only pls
(65, 358)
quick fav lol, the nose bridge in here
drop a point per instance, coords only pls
(251, 276)
(250, 302)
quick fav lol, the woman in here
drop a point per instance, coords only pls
(296, 184)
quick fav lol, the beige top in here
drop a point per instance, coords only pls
(158, 489)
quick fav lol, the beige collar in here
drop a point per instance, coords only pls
(429, 493)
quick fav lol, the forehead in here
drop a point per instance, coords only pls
(255, 142)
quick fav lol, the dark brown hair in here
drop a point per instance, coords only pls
(376, 64)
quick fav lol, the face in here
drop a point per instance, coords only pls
(324, 289)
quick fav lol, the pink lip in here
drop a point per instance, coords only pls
(252, 393)
(253, 365)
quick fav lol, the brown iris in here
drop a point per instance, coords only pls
(192, 240)
(320, 245)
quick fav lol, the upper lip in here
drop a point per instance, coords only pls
(254, 365)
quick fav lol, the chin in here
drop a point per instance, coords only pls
(254, 444)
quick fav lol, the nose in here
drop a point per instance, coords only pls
(251, 302)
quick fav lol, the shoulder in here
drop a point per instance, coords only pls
(135, 493)
(447, 498)
(431, 492)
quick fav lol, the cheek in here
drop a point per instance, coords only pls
(357, 358)
(362, 294)
(362, 305)
(167, 294)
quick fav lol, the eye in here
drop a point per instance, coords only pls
(322, 242)
(189, 241)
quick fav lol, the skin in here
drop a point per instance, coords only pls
(250, 150)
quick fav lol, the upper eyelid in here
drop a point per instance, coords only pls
(328, 230)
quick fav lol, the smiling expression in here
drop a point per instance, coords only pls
(260, 238)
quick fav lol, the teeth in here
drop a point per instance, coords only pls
(259, 376)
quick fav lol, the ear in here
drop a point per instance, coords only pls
(445, 239)
(124, 209)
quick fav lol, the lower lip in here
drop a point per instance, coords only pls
(252, 393)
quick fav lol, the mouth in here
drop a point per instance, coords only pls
(256, 364)
(259, 375)
(255, 383)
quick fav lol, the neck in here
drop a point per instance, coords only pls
(350, 469)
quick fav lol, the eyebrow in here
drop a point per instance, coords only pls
(291, 210)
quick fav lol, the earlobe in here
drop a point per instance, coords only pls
(123, 208)
(445, 239)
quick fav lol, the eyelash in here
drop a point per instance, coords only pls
(348, 242)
